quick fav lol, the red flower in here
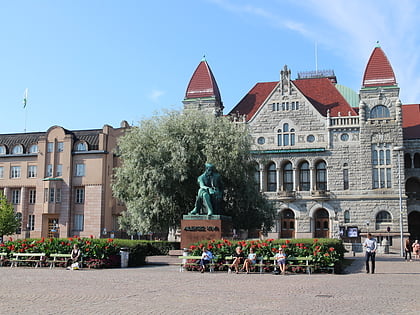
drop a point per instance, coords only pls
(287, 241)
(209, 247)
(315, 240)
(87, 249)
(283, 246)
(331, 249)
(326, 255)
(91, 236)
(109, 240)
(70, 239)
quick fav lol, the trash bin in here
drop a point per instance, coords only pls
(124, 253)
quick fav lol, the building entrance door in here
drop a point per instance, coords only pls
(287, 224)
(53, 228)
(322, 224)
(414, 225)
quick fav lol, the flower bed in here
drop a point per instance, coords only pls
(97, 253)
(324, 252)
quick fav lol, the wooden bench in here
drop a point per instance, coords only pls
(299, 262)
(3, 258)
(56, 259)
(196, 262)
(259, 264)
(30, 258)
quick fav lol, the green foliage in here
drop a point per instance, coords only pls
(161, 160)
(9, 222)
(325, 252)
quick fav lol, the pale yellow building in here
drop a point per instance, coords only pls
(59, 181)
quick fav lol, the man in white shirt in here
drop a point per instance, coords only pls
(371, 245)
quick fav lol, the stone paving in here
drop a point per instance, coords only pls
(164, 290)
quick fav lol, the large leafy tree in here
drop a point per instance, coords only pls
(9, 222)
(162, 158)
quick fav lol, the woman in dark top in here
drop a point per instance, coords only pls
(239, 258)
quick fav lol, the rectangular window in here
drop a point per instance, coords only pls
(79, 195)
(50, 147)
(59, 170)
(52, 195)
(31, 222)
(16, 196)
(78, 222)
(32, 171)
(80, 170)
(45, 194)
(60, 146)
(58, 195)
(1, 171)
(15, 172)
(32, 196)
(381, 168)
(49, 171)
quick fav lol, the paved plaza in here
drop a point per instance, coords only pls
(162, 289)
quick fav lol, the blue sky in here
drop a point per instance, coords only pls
(96, 62)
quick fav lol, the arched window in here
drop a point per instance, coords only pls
(286, 136)
(407, 160)
(17, 149)
(288, 177)
(379, 111)
(271, 177)
(417, 160)
(33, 148)
(81, 146)
(321, 175)
(346, 176)
(2, 149)
(257, 175)
(304, 177)
(383, 217)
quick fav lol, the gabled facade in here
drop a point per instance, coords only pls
(332, 169)
(59, 181)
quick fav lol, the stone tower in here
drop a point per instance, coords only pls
(202, 91)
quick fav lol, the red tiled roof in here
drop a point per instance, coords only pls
(324, 96)
(202, 83)
(253, 100)
(411, 121)
(378, 71)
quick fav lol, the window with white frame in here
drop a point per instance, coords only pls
(15, 172)
(288, 177)
(1, 171)
(49, 171)
(81, 146)
(304, 176)
(31, 171)
(321, 175)
(16, 196)
(32, 196)
(379, 111)
(60, 146)
(80, 170)
(50, 147)
(33, 148)
(271, 177)
(31, 222)
(17, 149)
(286, 136)
(51, 195)
(59, 170)
(381, 164)
(58, 195)
(2, 149)
(79, 195)
(79, 222)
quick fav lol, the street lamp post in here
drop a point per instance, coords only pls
(399, 150)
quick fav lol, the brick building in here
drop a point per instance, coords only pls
(326, 156)
(59, 181)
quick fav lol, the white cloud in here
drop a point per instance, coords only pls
(155, 95)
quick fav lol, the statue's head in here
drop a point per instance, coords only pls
(209, 168)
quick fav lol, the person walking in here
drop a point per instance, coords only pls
(371, 245)
(407, 249)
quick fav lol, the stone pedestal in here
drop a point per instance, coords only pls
(196, 228)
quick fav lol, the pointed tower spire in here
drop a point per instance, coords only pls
(202, 91)
(378, 71)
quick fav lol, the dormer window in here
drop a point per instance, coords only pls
(81, 146)
(17, 149)
(2, 149)
(33, 148)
